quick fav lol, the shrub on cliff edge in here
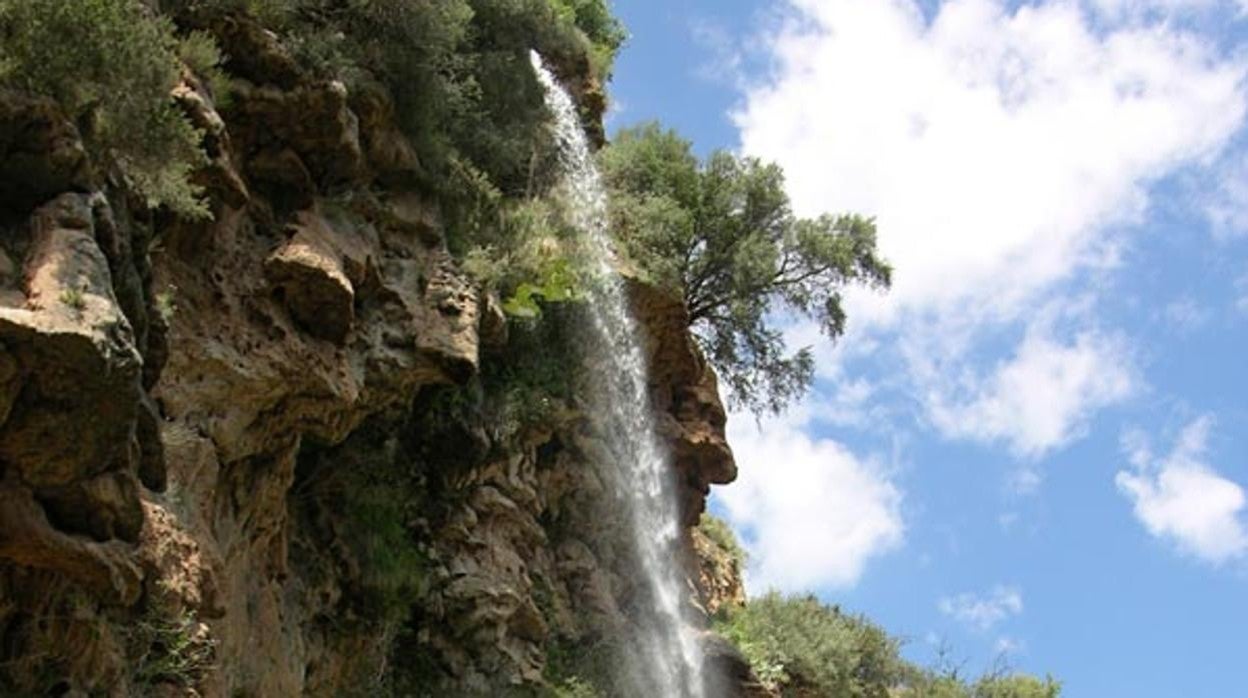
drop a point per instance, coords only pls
(721, 233)
(111, 64)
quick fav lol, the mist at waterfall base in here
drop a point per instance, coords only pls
(665, 658)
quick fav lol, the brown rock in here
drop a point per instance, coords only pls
(389, 152)
(106, 507)
(71, 342)
(253, 52)
(41, 153)
(308, 269)
(718, 580)
(282, 176)
(26, 538)
(685, 394)
(728, 673)
(220, 178)
(312, 119)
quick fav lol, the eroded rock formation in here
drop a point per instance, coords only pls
(195, 416)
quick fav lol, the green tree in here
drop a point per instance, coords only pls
(722, 234)
(1016, 686)
(798, 641)
(111, 64)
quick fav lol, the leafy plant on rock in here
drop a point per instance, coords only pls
(722, 234)
(111, 65)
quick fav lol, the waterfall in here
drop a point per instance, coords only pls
(666, 654)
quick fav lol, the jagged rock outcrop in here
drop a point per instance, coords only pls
(41, 153)
(193, 414)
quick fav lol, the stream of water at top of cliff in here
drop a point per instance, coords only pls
(666, 656)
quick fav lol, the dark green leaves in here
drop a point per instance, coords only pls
(111, 65)
(722, 234)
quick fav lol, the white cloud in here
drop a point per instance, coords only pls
(1227, 205)
(1025, 480)
(1005, 153)
(1118, 9)
(1040, 398)
(1181, 499)
(812, 513)
(1006, 645)
(994, 147)
(725, 59)
(1126, 10)
(983, 613)
(1185, 315)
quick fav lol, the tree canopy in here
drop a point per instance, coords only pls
(722, 233)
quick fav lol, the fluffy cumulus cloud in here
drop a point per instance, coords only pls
(1180, 498)
(811, 513)
(1040, 397)
(1005, 152)
(983, 612)
(996, 147)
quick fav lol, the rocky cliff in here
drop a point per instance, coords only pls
(267, 454)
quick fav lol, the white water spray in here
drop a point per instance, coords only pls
(668, 658)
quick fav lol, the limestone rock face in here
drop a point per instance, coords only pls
(308, 270)
(198, 419)
(685, 392)
(72, 379)
(718, 582)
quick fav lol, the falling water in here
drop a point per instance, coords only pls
(669, 652)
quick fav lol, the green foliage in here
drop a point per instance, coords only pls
(575, 688)
(1017, 686)
(530, 258)
(792, 641)
(199, 52)
(393, 570)
(718, 531)
(580, 669)
(558, 285)
(604, 31)
(166, 303)
(73, 298)
(111, 65)
(722, 234)
(538, 377)
(170, 650)
(798, 646)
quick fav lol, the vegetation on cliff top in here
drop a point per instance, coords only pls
(722, 234)
(457, 69)
(111, 66)
(799, 646)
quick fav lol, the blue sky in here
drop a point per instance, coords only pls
(1038, 442)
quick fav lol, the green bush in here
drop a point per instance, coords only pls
(170, 650)
(721, 233)
(800, 641)
(799, 646)
(199, 52)
(111, 64)
(537, 377)
(1017, 686)
(718, 531)
(604, 31)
